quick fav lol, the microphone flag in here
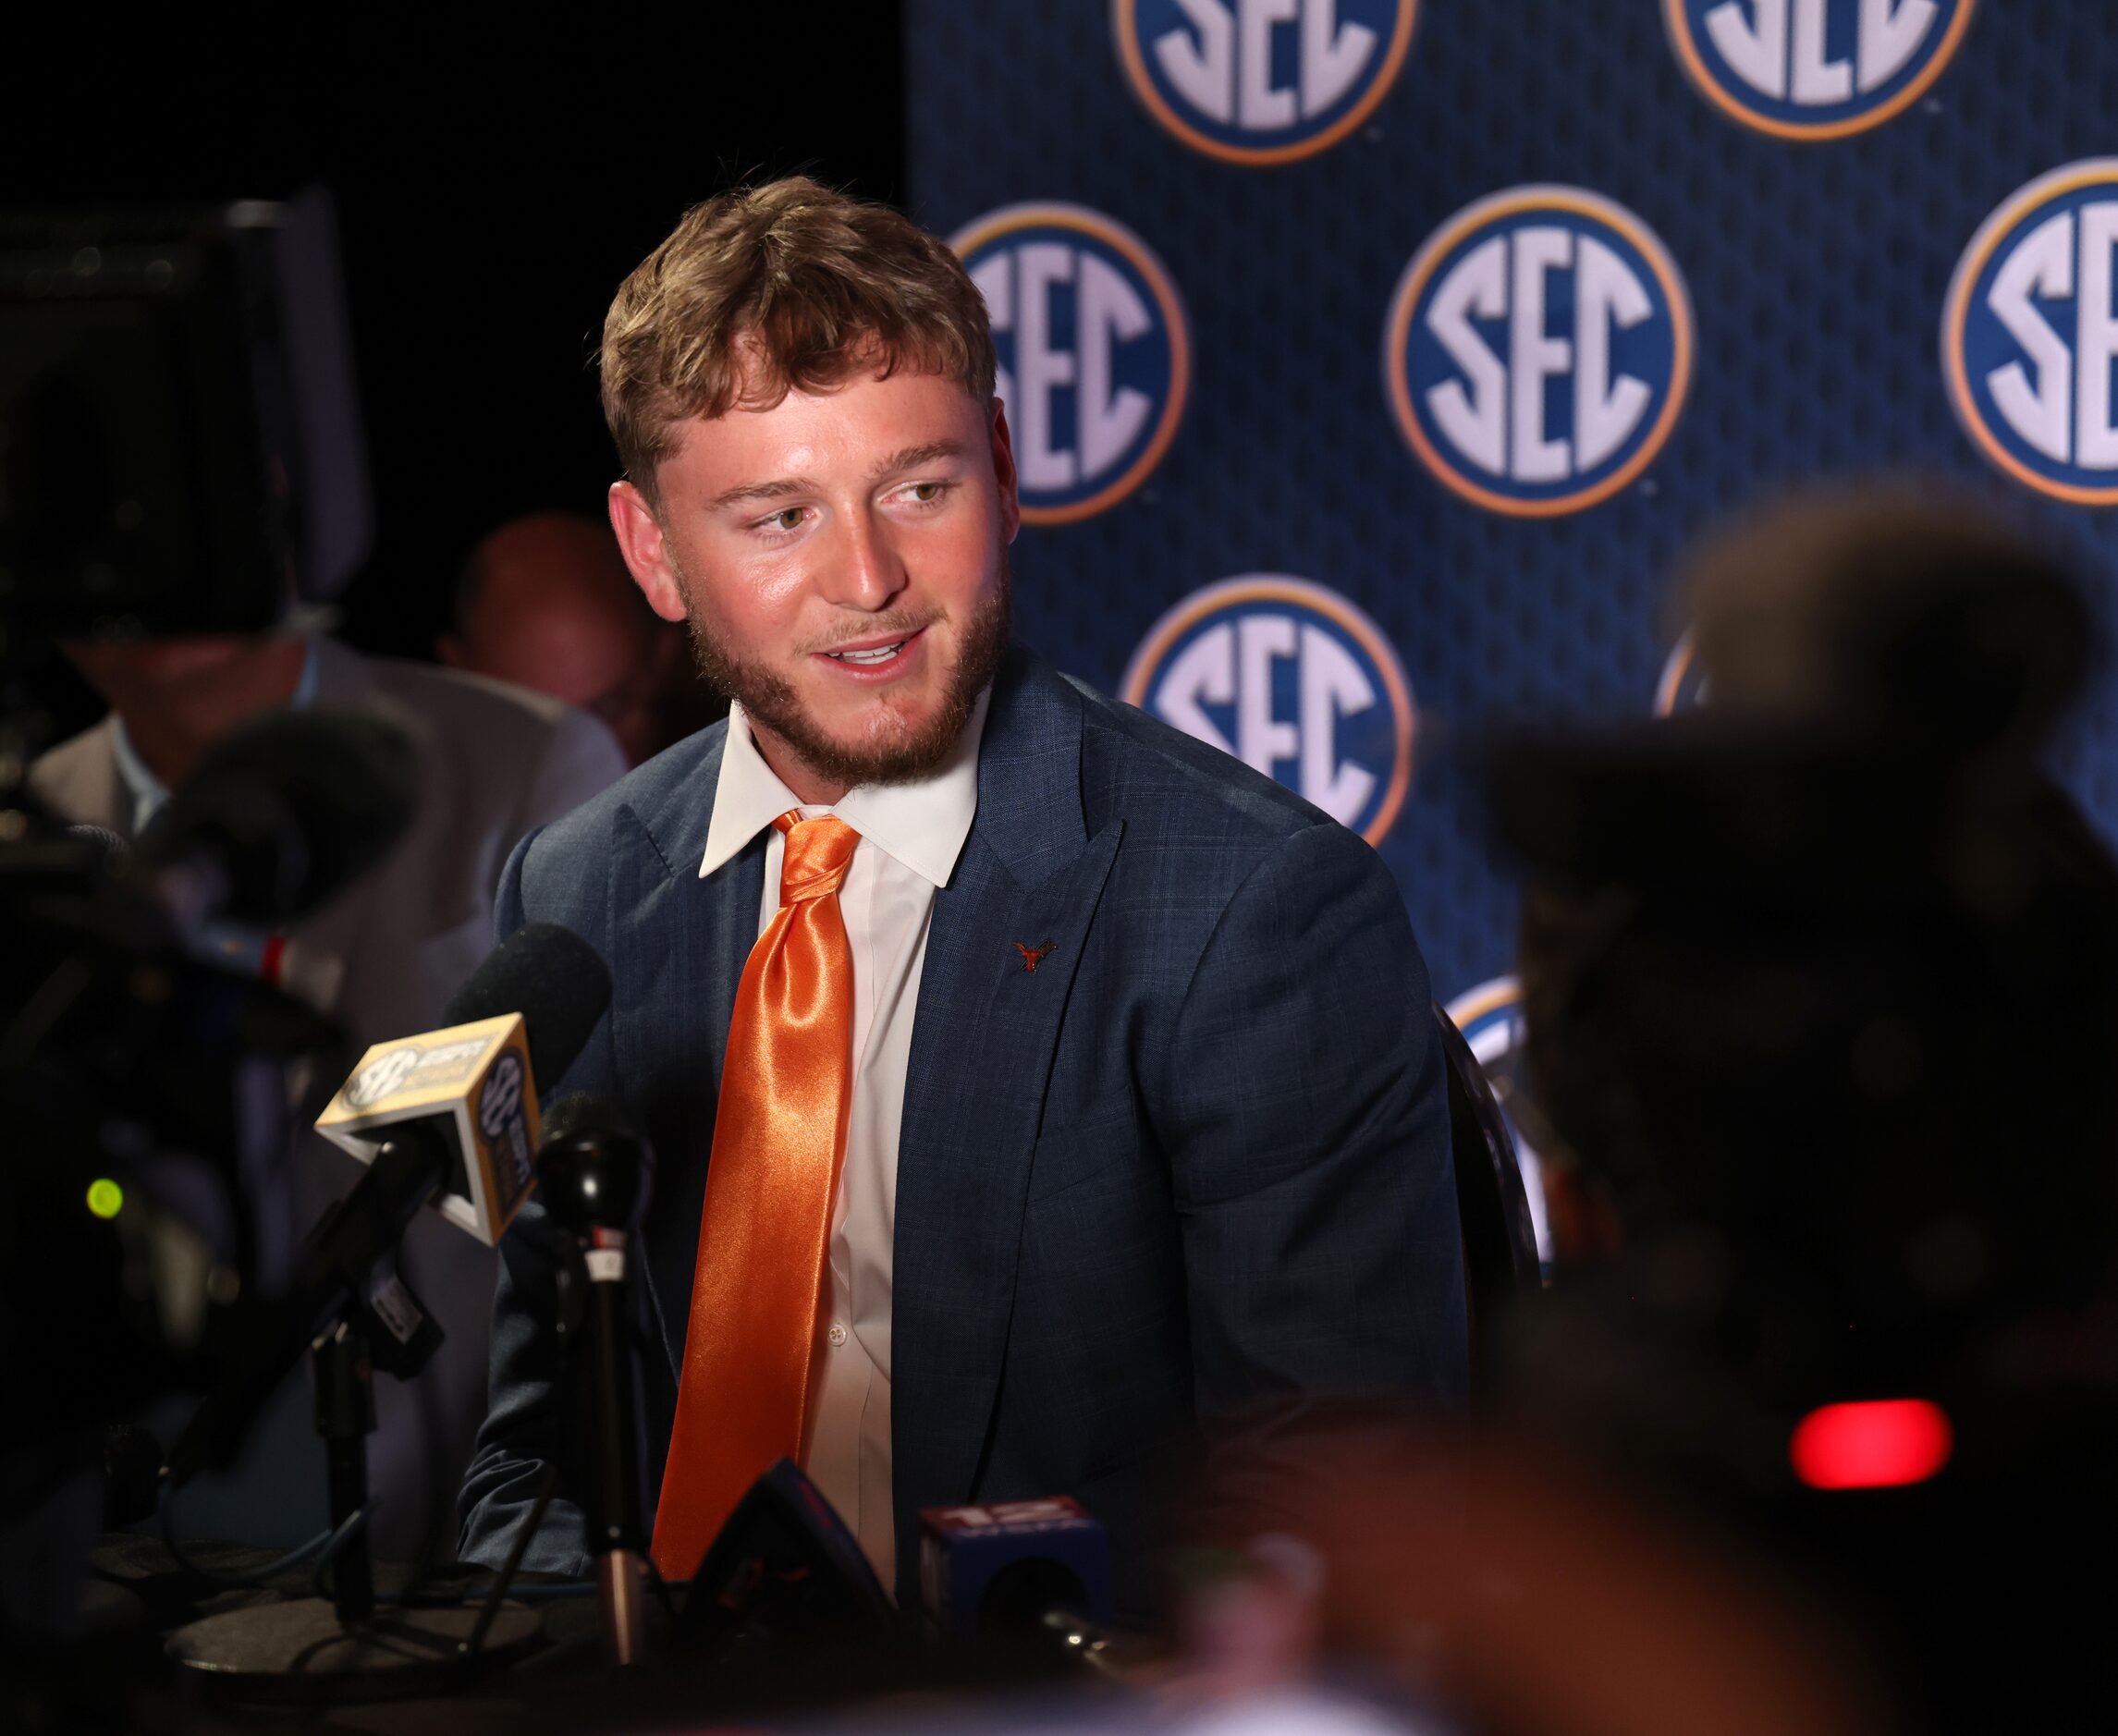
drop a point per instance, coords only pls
(1005, 1563)
(473, 1085)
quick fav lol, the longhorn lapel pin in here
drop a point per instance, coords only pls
(1033, 956)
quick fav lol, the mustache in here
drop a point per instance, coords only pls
(893, 621)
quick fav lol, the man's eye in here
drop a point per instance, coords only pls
(926, 493)
(786, 518)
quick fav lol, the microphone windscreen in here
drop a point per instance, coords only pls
(113, 849)
(292, 807)
(594, 1172)
(550, 976)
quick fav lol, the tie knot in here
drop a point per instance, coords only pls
(818, 853)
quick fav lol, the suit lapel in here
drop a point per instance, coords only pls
(677, 947)
(1006, 937)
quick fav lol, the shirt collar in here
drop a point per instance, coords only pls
(922, 823)
(148, 792)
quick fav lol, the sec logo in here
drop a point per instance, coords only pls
(1537, 350)
(501, 1101)
(1262, 81)
(1094, 352)
(1815, 69)
(2029, 334)
(381, 1077)
(1682, 686)
(1293, 680)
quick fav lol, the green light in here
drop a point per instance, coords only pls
(105, 1198)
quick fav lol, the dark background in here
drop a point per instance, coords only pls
(495, 181)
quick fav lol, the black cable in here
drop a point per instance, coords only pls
(332, 1543)
(165, 1507)
(544, 1593)
(555, 1591)
(547, 1487)
(40, 1013)
(436, 1534)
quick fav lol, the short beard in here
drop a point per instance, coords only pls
(901, 757)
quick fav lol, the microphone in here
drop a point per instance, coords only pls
(469, 1089)
(112, 851)
(280, 817)
(1015, 1571)
(594, 1175)
(784, 1564)
(454, 1124)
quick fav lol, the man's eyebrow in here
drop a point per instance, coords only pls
(779, 488)
(783, 487)
(914, 457)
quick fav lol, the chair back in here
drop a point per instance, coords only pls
(1492, 1204)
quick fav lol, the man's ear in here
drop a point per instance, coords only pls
(1004, 474)
(640, 540)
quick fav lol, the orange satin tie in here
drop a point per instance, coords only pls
(765, 1234)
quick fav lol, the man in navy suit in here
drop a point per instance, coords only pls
(1143, 1144)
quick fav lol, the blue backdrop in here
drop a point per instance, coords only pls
(1372, 361)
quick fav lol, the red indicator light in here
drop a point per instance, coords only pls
(1881, 1445)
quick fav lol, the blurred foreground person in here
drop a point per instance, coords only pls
(383, 959)
(1509, 1589)
(545, 602)
(1822, 992)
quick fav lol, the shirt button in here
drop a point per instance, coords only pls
(838, 1335)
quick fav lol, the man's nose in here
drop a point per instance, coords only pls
(865, 572)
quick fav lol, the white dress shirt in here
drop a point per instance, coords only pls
(910, 837)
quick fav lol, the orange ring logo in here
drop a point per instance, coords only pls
(1451, 391)
(1490, 1018)
(1205, 73)
(1771, 68)
(2024, 390)
(1075, 456)
(1682, 686)
(1282, 672)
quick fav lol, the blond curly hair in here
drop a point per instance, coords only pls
(774, 289)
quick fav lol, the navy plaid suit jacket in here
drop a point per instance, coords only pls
(1180, 1186)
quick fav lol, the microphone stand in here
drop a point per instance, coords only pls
(344, 1418)
(353, 1645)
(594, 1176)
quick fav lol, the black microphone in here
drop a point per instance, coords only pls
(112, 851)
(550, 976)
(594, 1176)
(545, 977)
(784, 1565)
(280, 817)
